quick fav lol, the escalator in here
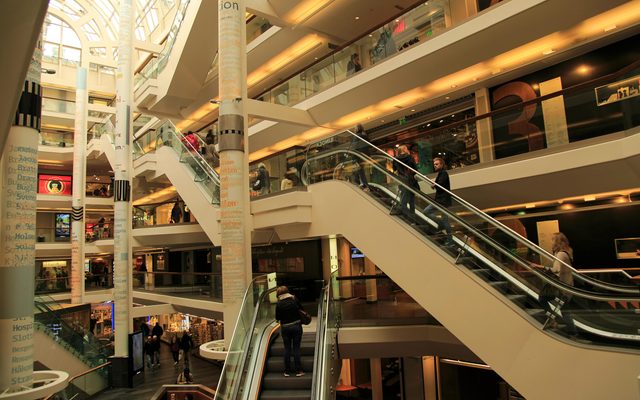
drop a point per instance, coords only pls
(62, 345)
(481, 283)
(254, 366)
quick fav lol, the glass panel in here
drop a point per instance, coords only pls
(202, 168)
(416, 26)
(192, 285)
(75, 339)
(232, 376)
(507, 261)
(88, 384)
(256, 27)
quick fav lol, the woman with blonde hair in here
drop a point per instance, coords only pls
(562, 269)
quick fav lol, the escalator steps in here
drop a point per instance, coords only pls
(277, 386)
(286, 394)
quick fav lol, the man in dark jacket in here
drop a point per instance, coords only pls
(186, 344)
(443, 197)
(405, 168)
(359, 144)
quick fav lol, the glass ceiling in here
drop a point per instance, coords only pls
(98, 19)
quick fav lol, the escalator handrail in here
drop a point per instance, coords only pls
(556, 283)
(321, 328)
(235, 328)
(529, 244)
(192, 151)
(247, 346)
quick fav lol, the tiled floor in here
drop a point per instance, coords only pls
(204, 373)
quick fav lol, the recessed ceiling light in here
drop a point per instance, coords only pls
(548, 51)
(441, 121)
(413, 109)
(397, 20)
(610, 28)
(370, 35)
(316, 58)
(447, 98)
(454, 86)
(357, 18)
(453, 115)
(429, 124)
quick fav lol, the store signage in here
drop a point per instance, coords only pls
(54, 184)
(618, 91)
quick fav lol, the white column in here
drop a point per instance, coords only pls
(234, 163)
(19, 174)
(122, 185)
(79, 183)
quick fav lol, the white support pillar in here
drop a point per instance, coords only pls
(234, 162)
(19, 174)
(79, 183)
(122, 184)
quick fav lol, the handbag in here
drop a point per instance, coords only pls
(305, 318)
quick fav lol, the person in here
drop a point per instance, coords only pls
(191, 142)
(353, 65)
(157, 329)
(149, 351)
(288, 314)
(186, 344)
(405, 168)
(155, 348)
(561, 268)
(443, 198)
(184, 377)
(176, 213)
(359, 144)
(101, 228)
(290, 179)
(261, 184)
(210, 153)
(175, 348)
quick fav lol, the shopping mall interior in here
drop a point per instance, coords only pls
(451, 188)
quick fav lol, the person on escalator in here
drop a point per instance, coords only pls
(443, 198)
(405, 168)
(359, 144)
(191, 142)
(561, 269)
(288, 314)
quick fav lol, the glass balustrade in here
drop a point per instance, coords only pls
(416, 26)
(201, 166)
(193, 285)
(73, 337)
(156, 65)
(233, 376)
(85, 385)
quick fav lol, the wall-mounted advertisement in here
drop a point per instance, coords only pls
(618, 91)
(54, 184)
(63, 225)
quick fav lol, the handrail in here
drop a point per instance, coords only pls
(560, 285)
(248, 343)
(532, 246)
(51, 396)
(321, 327)
(235, 328)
